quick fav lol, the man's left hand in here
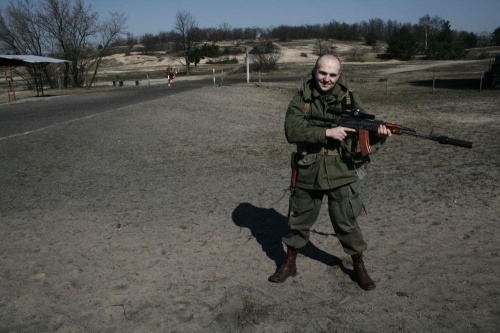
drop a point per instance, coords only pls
(383, 132)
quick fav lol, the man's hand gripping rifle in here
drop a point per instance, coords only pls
(365, 123)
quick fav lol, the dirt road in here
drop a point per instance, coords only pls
(164, 217)
(423, 66)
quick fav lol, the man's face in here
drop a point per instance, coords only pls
(327, 74)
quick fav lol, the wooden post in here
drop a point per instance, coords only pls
(481, 82)
(222, 79)
(9, 80)
(433, 83)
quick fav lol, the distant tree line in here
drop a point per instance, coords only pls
(371, 30)
(434, 38)
(431, 36)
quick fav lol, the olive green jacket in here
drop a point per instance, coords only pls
(318, 171)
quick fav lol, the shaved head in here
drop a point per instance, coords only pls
(326, 73)
(327, 56)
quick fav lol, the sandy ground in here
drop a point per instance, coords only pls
(165, 217)
(290, 53)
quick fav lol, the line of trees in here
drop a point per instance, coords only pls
(372, 30)
(431, 36)
(67, 29)
(434, 38)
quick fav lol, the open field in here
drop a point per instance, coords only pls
(297, 58)
(164, 216)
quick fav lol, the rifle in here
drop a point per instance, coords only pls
(365, 123)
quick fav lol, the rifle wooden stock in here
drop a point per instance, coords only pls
(394, 128)
(364, 137)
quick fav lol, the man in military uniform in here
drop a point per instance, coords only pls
(329, 165)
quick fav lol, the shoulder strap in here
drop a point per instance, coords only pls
(348, 101)
(307, 107)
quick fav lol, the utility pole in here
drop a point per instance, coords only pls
(248, 65)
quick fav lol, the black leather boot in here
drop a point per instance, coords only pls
(360, 274)
(288, 268)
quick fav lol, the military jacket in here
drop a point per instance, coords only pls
(324, 163)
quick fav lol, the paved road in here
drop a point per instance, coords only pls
(21, 118)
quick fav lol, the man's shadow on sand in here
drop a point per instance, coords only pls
(268, 227)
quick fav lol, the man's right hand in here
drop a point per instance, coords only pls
(338, 133)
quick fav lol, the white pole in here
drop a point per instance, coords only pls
(248, 65)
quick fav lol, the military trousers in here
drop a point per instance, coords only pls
(344, 206)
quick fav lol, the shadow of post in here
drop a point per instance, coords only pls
(268, 227)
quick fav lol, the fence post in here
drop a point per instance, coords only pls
(433, 83)
(386, 86)
(260, 81)
(481, 82)
(222, 79)
(149, 82)
(214, 75)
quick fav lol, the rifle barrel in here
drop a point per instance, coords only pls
(442, 139)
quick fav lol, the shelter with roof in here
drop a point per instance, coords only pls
(8, 62)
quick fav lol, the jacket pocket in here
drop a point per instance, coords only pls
(309, 167)
(308, 159)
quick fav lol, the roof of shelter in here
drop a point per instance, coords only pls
(20, 59)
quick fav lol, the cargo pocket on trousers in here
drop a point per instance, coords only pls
(293, 203)
(355, 205)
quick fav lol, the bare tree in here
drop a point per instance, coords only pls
(21, 32)
(109, 31)
(77, 32)
(430, 27)
(186, 26)
(266, 56)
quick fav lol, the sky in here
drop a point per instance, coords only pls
(153, 16)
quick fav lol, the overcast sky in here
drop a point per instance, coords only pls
(152, 16)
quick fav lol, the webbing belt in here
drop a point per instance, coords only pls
(328, 152)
